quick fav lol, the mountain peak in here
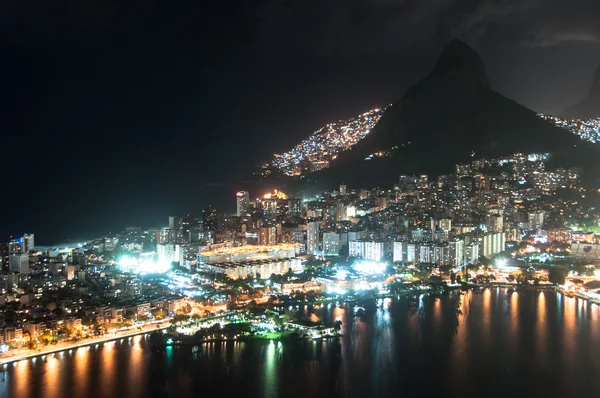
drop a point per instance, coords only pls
(459, 60)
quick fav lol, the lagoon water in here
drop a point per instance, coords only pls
(464, 344)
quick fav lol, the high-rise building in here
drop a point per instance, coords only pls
(243, 202)
(28, 241)
(167, 253)
(267, 235)
(536, 219)
(472, 253)
(492, 243)
(342, 190)
(495, 222)
(69, 272)
(312, 237)
(164, 235)
(373, 250)
(295, 207)
(19, 263)
(412, 253)
(174, 223)
(456, 253)
(400, 251)
(331, 243)
(210, 218)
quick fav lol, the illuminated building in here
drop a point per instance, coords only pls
(13, 334)
(331, 243)
(472, 253)
(589, 251)
(167, 253)
(491, 243)
(19, 263)
(270, 209)
(495, 222)
(441, 254)
(164, 235)
(412, 253)
(370, 249)
(444, 224)
(562, 235)
(224, 254)
(210, 218)
(267, 235)
(248, 261)
(536, 219)
(255, 268)
(312, 237)
(110, 244)
(243, 202)
(69, 272)
(295, 207)
(456, 252)
(400, 252)
(342, 190)
(188, 223)
(425, 253)
(174, 223)
(130, 286)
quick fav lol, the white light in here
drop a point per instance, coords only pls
(370, 267)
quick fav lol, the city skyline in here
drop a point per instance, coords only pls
(120, 119)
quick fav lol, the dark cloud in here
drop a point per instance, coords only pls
(356, 28)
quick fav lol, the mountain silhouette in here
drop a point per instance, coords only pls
(449, 117)
(588, 108)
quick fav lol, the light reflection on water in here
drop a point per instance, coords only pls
(470, 343)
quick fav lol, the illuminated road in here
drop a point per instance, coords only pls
(20, 354)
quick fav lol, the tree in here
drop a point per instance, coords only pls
(46, 337)
(557, 275)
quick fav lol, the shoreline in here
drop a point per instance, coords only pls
(49, 350)
(66, 347)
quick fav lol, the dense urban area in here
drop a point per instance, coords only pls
(323, 146)
(508, 221)
(588, 130)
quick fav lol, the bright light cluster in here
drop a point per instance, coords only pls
(587, 130)
(144, 265)
(324, 144)
(370, 267)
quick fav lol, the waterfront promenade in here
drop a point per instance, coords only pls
(24, 353)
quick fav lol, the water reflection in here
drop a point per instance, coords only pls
(458, 344)
(541, 329)
(21, 373)
(270, 371)
(81, 364)
(107, 368)
(51, 378)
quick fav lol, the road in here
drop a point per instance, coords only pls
(24, 353)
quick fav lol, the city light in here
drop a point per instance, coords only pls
(370, 267)
(143, 265)
(326, 143)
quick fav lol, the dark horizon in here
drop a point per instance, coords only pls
(121, 114)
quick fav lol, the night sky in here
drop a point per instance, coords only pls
(123, 112)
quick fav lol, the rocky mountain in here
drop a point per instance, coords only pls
(588, 108)
(450, 116)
